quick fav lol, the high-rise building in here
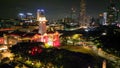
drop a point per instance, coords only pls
(112, 12)
(83, 20)
(29, 15)
(105, 19)
(73, 13)
(42, 21)
(40, 13)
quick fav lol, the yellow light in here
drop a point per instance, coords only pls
(76, 36)
(100, 15)
(46, 45)
(42, 19)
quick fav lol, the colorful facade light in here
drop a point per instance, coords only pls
(50, 40)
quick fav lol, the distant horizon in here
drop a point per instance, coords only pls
(54, 9)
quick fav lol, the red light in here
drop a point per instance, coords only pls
(1, 40)
(40, 50)
(32, 53)
(36, 50)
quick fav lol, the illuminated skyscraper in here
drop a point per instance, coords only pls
(105, 19)
(42, 21)
(83, 20)
(40, 13)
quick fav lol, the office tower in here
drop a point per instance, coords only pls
(42, 21)
(83, 18)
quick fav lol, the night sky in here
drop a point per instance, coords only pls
(53, 8)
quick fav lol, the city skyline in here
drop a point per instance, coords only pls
(59, 34)
(53, 8)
